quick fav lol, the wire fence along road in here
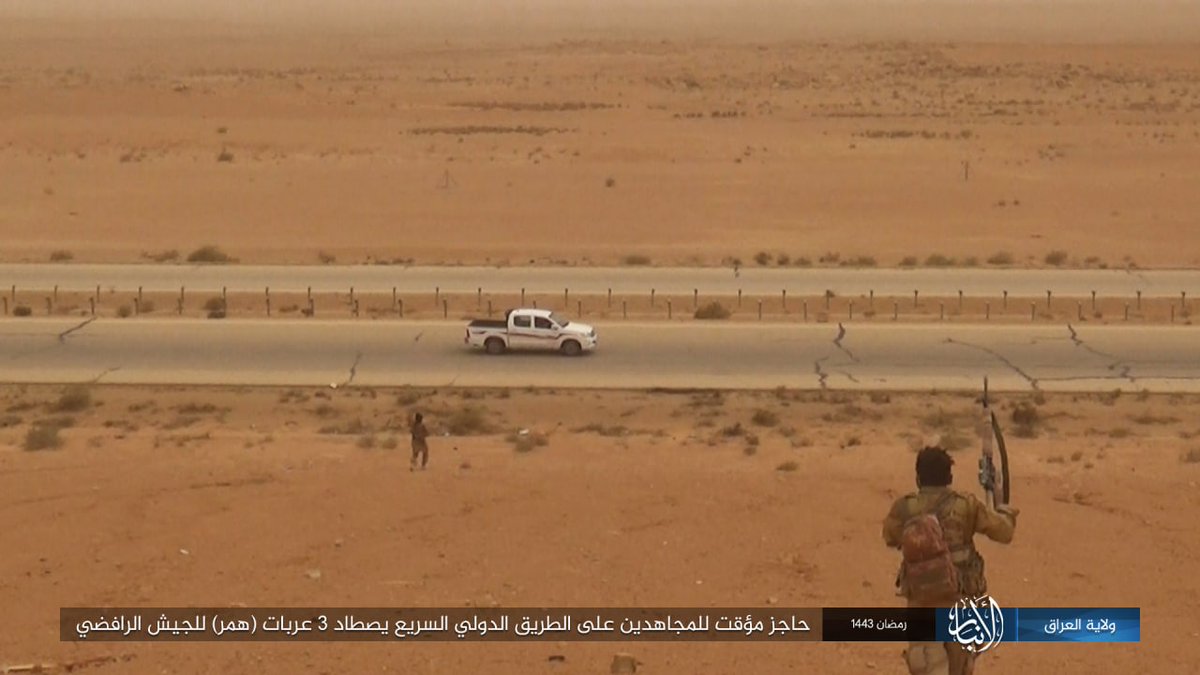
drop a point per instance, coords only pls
(597, 280)
(745, 356)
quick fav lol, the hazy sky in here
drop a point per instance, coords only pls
(1073, 20)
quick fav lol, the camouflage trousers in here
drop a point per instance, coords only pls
(938, 658)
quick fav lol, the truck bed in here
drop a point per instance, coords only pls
(498, 324)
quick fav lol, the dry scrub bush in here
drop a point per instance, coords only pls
(712, 311)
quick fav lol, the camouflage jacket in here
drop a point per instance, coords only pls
(961, 516)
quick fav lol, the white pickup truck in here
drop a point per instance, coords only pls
(532, 329)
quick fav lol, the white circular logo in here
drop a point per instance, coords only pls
(977, 623)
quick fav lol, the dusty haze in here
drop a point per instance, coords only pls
(1096, 21)
(579, 133)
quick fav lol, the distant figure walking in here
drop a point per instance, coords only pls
(737, 270)
(419, 445)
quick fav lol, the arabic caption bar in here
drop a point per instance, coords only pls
(729, 624)
(295, 624)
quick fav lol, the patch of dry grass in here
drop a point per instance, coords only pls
(75, 398)
(527, 441)
(469, 420)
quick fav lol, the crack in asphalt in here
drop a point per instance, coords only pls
(106, 371)
(1033, 382)
(848, 376)
(822, 376)
(837, 342)
(62, 337)
(353, 369)
(1118, 365)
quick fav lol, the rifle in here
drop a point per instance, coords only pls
(995, 483)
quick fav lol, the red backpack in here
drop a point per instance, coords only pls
(928, 573)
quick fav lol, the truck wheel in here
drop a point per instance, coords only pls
(494, 346)
(571, 348)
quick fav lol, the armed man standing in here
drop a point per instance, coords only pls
(934, 528)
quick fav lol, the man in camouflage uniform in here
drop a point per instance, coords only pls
(961, 515)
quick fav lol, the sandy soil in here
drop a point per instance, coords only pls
(635, 498)
(681, 137)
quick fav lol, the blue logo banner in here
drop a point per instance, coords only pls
(1041, 624)
(1079, 624)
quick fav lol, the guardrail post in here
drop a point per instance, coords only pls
(624, 310)
(579, 307)
(739, 298)
(852, 310)
(695, 298)
(179, 306)
(437, 294)
(1005, 305)
(478, 297)
(566, 298)
(97, 294)
(445, 308)
(783, 295)
(310, 293)
(50, 308)
(139, 293)
(56, 294)
(610, 297)
(224, 297)
(181, 299)
(806, 310)
(137, 306)
(760, 310)
(522, 296)
(312, 308)
(651, 297)
(1032, 311)
(268, 305)
(1183, 302)
(871, 299)
(393, 298)
(669, 308)
(91, 302)
(942, 311)
(1047, 301)
(895, 310)
(352, 295)
(1139, 301)
(1093, 301)
(915, 294)
(1127, 311)
(1079, 314)
(400, 307)
(489, 308)
(987, 311)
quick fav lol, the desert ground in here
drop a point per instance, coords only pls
(948, 133)
(864, 133)
(220, 496)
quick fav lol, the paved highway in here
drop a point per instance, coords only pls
(317, 352)
(597, 280)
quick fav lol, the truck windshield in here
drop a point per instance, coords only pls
(559, 319)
